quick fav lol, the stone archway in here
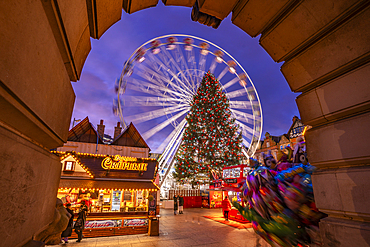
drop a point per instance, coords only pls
(326, 54)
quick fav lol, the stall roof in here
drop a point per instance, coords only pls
(84, 131)
(105, 184)
(130, 137)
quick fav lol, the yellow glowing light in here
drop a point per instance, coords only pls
(304, 131)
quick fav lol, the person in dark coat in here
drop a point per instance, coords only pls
(226, 207)
(80, 222)
(181, 204)
(175, 204)
(68, 231)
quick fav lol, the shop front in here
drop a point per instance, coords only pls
(118, 191)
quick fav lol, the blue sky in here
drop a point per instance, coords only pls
(95, 90)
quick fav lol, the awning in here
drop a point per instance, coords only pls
(106, 184)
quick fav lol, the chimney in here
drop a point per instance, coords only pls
(101, 128)
(117, 130)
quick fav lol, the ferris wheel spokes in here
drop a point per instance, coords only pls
(161, 80)
(236, 93)
(230, 83)
(184, 65)
(171, 149)
(182, 83)
(172, 156)
(169, 141)
(243, 115)
(164, 124)
(156, 113)
(235, 104)
(152, 101)
(223, 72)
(162, 91)
(245, 129)
(179, 71)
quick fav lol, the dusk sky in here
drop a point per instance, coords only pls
(95, 90)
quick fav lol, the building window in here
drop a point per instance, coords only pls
(69, 166)
(267, 144)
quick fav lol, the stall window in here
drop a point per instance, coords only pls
(246, 171)
(69, 166)
(236, 172)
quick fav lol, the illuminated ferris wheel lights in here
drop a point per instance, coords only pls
(140, 55)
(170, 47)
(242, 76)
(219, 55)
(204, 52)
(232, 70)
(219, 59)
(155, 46)
(156, 50)
(242, 80)
(188, 44)
(188, 47)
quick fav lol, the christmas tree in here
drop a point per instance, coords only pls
(211, 138)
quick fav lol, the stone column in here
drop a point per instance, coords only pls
(326, 52)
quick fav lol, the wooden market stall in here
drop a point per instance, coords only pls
(118, 191)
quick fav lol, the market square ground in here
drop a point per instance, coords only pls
(188, 229)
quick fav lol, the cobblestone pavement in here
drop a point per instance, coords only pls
(188, 229)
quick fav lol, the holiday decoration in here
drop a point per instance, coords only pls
(212, 139)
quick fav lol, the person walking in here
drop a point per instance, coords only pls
(175, 204)
(68, 231)
(80, 222)
(226, 207)
(181, 204)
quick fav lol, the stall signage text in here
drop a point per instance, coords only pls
(119, 162)
(135, 222)
(103, 223)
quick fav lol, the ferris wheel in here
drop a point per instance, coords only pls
(158, 82)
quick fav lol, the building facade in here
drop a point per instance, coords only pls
(272, 144)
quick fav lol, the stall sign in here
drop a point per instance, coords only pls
(231, 181)
(153, 204)
(119, 162)
(103, 223)
(135, 222)
(205, 199)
